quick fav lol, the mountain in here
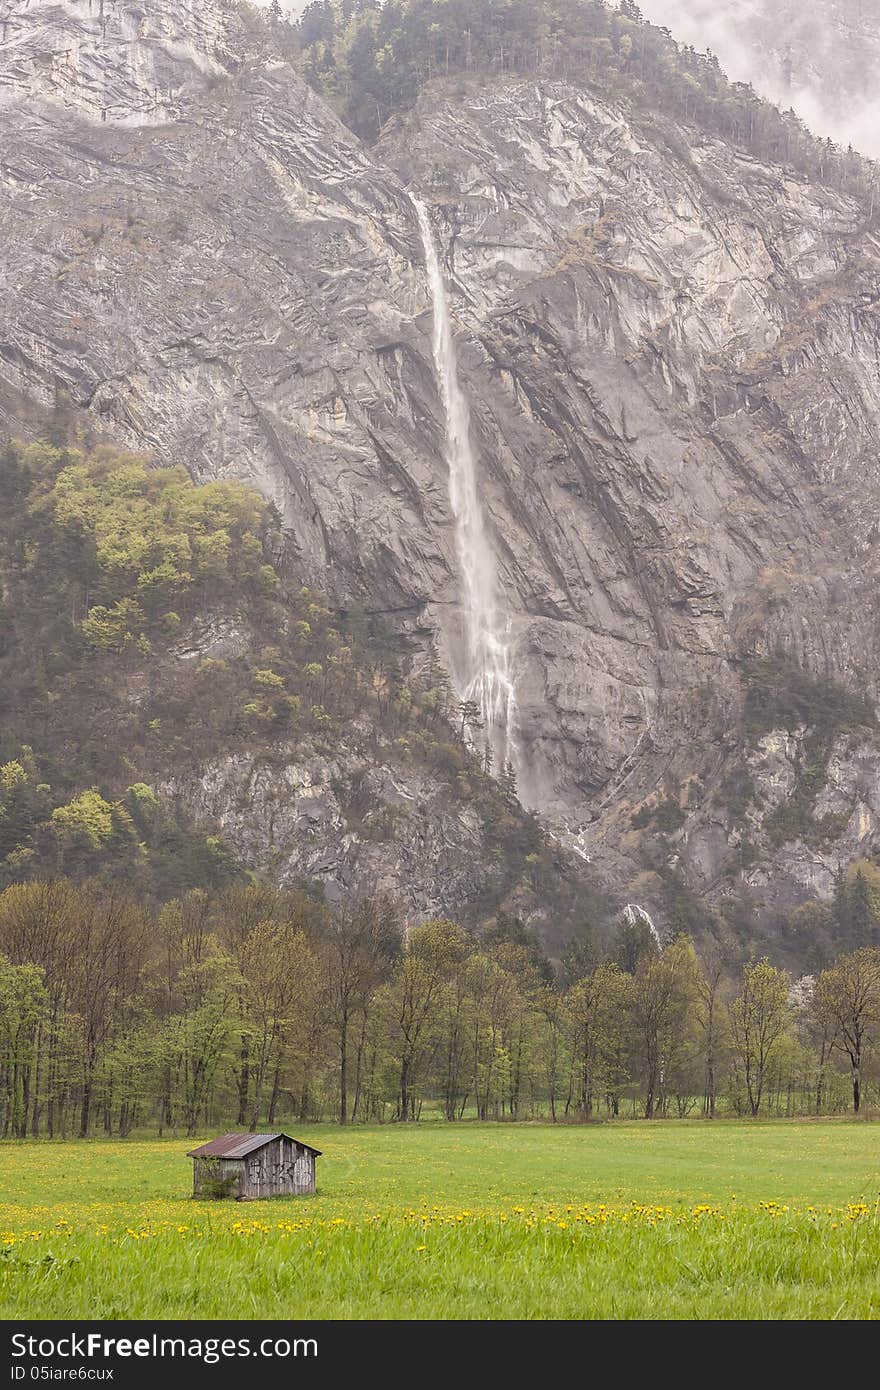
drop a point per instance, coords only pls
(177, 708)
(668, 339)
(821, 59)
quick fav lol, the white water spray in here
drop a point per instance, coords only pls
(633, 914)
(486, 675)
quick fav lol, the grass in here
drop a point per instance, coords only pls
(732, 1220)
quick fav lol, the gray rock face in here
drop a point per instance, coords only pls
(117, 60)
(671, 353)
(679, 405)
(292, 818)
(850, 795)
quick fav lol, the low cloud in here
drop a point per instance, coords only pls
(787, 52)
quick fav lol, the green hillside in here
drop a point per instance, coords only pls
(116, 578)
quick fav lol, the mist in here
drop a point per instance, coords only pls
(290, 9)
(819, 62)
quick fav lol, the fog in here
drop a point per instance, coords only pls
(830, 57)
(291, 9)
(818, 59)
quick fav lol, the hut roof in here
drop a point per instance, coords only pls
(240, 1145)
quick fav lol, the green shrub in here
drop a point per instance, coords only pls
(666, 816)
(780, 694)
(213, 1185)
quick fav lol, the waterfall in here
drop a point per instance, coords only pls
(486, 680)
(633, 914)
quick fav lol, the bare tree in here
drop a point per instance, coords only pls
(662, 998)
(759, 1018)
(362, 941)
(710, 1021)
(847, 1002)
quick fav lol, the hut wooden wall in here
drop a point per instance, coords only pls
(280, 1169)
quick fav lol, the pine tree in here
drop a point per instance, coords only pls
(436, 678)
(633, 940)
(469, 714)
(508, 782)
(582, 954)
(840, 910)
(861, 913)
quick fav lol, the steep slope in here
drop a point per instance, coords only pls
(675, 354)
(671, 354)
(235, 260)
(158, 663)
(120, 62)
(821, 59)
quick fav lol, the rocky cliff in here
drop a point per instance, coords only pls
(679, 399)
(671, 355)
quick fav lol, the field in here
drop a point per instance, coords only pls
(731, 1220)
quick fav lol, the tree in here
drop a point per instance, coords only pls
(130, 1073)
(862, 909)
(509, 784)
(471, 719)
(279, 975)
(818, 1024)
(710, 1022)
(23, 1008)
(582, 952)
(492, 998)
(362, 941)
(555, 1023)
(526, 967)
(759, 1017)
(456, 1011)
(615, 988)
(840, 906)
(662, 998)
(633, 939)
(110, 954)
(848, 998)
(198, 1034)
(596, 1009)
(411, 1003)
(39, 926)
(584, 1008)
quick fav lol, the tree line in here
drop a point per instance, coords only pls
(371, 59)
(255, 1004)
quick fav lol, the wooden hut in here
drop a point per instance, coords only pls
(248, 1166)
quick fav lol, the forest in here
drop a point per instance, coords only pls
(116, 577)
(372, 60)
(255, 1004)
(149, 978)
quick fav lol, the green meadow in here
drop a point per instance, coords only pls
(671, 1220)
